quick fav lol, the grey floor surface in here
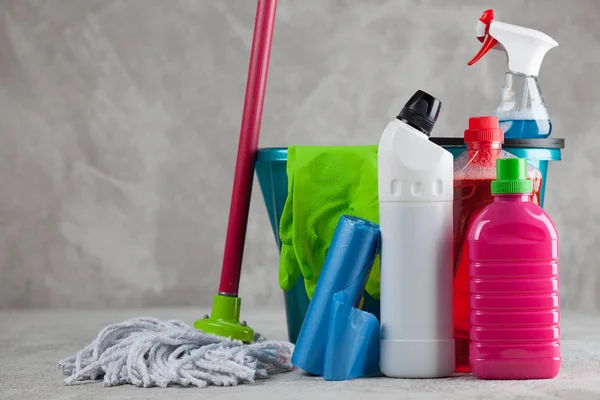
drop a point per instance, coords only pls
(32, 341)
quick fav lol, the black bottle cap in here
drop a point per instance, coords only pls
(421, 111)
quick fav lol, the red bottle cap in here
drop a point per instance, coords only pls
(484, 129)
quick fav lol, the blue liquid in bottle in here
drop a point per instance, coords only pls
(526, 128)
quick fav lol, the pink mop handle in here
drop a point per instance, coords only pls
(247, 147)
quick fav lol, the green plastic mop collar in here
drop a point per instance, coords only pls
(224, 320)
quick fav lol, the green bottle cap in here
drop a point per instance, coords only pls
(511, 177)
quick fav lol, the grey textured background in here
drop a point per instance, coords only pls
(119, 124)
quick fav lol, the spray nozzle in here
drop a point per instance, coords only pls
(483, 26)
(524, 47)
(483, 35)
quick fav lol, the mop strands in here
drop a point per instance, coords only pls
(147, 352)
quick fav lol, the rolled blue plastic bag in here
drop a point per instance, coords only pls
(337, 340)
(353, 340)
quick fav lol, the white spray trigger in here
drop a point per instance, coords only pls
(524, 47)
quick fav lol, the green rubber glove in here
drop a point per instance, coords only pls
(324, 183)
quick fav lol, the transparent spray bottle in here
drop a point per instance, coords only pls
(521, 109)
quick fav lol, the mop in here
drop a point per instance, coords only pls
(219, 349)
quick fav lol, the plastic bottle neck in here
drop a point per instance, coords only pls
(477, 146)
(513, 197)
(513, 80)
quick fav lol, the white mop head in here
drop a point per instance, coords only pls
(147, 352)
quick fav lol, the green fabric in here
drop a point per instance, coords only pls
(324, 183)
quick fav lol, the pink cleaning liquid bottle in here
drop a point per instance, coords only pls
(513, 251)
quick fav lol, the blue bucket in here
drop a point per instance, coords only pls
(272, 176)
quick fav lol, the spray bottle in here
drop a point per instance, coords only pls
(521, 110)
(415, 178)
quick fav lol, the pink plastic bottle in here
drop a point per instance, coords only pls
(513, 249)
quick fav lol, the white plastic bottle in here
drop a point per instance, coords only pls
(415, 213)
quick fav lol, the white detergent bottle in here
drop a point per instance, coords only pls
(415, 212)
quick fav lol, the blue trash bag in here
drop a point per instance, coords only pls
(337, 340)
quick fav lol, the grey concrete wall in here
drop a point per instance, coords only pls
(119, 124)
